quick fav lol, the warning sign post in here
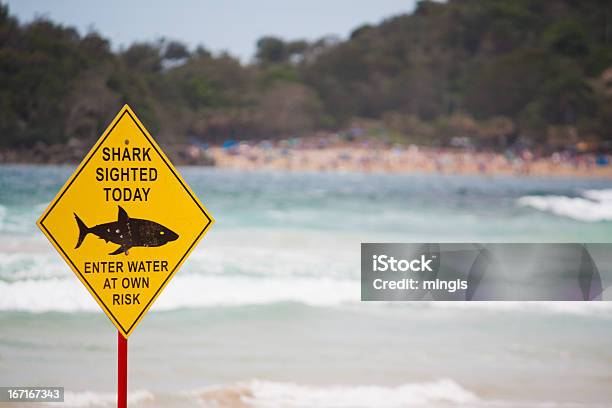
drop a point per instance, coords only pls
(125, 222)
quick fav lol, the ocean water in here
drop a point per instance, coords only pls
(266, 311)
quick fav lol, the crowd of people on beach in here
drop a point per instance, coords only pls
(336, 154)
(356, 153)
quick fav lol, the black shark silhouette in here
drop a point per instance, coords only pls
(127, 232)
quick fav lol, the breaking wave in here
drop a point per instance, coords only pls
(193, 291)
(593, 206)
(91, 399)
(187, 291)
(268, 394)
(277, 394)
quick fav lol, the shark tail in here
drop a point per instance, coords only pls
(83, 230)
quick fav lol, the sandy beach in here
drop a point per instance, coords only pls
(335, 155)
(407, 160)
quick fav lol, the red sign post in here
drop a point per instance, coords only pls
(122, 351)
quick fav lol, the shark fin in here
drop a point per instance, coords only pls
(83, 230)
(122, 217)
(120, 250)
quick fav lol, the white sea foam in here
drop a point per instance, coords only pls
(603, 309)
(279, 254)
(197, 291)
(91, 399)
(45, 295)
(187, 291)
(274, 394)
(599, 195)
(269, 394)
(593, 206)
(15, 266)
(19, 219)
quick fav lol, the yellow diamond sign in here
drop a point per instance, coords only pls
(125, 221)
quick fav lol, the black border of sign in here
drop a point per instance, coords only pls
(42, 221)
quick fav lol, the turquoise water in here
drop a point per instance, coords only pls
(267, 308)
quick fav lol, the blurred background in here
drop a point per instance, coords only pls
(307, 129)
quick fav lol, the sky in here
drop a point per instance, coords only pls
(218, 25)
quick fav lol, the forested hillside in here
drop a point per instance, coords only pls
(497, 71)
